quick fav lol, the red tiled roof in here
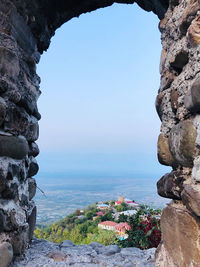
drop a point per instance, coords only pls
(118, 202)
(122, 227)
(109, 223)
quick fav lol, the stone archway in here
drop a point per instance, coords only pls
(26, 28)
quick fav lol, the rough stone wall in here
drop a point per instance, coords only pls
(26, 28)
(178, 106)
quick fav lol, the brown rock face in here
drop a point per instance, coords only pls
(182, 143)
(164, 155)
(194, 102)
(193, 34)
(6, 254)
(191, 197)
(171, 185)
(180, 238)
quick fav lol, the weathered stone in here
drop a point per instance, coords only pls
(33, 167)
(9, 63)
(180, 237)
(31, 222)
(17, 120)
(196, 169)
(174, 100)
(6, 254)
(33, 150)
(32, 187)
(164, 155)
(171, 185)
(14, 147)
(66, 244)
(190, 10)
(193, 33)
(182, 143)
(110, 250)
(192, 101)
(166, 80)
(2, 221)
(191, 197)
(158, 104)
(33, 130)
(57, 255)
(20, 239)
(2, 110)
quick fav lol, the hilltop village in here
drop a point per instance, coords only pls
(123, 222)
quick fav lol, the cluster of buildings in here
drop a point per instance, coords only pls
(119, 228)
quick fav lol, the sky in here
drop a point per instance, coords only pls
(99, 81)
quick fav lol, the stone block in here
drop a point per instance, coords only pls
(33, 149)
(180, 238)
(14, 147)
(164, 155)
(171, 185)
(182, 142)
(33, 167)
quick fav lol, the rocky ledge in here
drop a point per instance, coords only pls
(46, 254)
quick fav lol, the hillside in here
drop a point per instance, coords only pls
(124, 223)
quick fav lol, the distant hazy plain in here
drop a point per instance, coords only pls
(64, 193)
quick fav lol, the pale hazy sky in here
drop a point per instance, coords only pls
(100, 78)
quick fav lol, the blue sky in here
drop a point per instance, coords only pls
(100, 78)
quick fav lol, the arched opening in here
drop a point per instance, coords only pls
(101, 77)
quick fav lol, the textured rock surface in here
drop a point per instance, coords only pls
(180, 237)
(46, 254)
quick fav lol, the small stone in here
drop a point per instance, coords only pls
(33, 168)
(158, 104)
(192, 100)
(182, 143)
(174, 100)
(110, 250)
(32, 186)
(31, 222)
(33, 149)
(6, 254)
(164, 155)
(66, 244)
(14, 147)
(95, 245)
(57, 256)
(171, 185)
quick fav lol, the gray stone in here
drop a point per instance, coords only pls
(31, 222)
(110, 250)
(182, 143)
(192, 100)
(171, 185)
(66, 244)
(32, 186)
(33, 149)
(33, 167)
(6, 254)
(164, 155)
(14, 147)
